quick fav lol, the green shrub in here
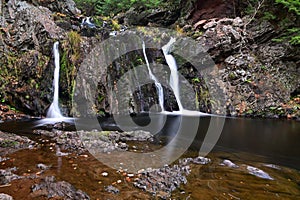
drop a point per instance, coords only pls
(292, 5)
(113, 7)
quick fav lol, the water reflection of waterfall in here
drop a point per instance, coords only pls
(158, 86)
(54, 111)
(174, 80)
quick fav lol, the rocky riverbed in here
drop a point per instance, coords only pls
(67, 145)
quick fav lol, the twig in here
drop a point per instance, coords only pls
(260, 3)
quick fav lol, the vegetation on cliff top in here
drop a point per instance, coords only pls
(113, 7)
(272, 11)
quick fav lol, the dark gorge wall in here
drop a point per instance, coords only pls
(256, 76)
(27, 35)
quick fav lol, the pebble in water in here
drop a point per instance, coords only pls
(42, 166)
(105, 174)
(112, 189)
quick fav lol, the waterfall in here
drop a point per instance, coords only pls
(158, 86)
(54, 111)
(174, 80)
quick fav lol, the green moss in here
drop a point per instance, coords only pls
(249, 112)
(74, 40)
(100, 98)
(96, 134)
(196, 80)
(115, 25)
(70, 59)
(8, 143)
(231, 76)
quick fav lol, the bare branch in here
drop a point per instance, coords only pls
(256, 9)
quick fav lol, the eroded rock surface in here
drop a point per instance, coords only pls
(51, 188)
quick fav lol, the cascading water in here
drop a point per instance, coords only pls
(174, 81)
(158, 86)
(54, 111)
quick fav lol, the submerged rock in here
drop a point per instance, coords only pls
(10, 142)
(42, 166)
(108, 141)
(104, 141)
(5, 197)
(163, 181)
(112, 189)
(229, 163)
(258, 172)
(67, 140)
(7, 175)
(50, 188)
(272, 166)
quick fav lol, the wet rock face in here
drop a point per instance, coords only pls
(30, 27)
(64, 6)
(28, 32)
(221, 37)
(159, 17)
(213, 9)
(257, 76)
(260, 84)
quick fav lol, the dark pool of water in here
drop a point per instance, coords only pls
(254, 142)
(277, 141)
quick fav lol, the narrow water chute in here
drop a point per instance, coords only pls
(174, 80)
(160, 91)
(54, 110)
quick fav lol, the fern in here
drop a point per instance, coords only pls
(292, 5)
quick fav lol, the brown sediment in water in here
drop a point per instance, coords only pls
(204, 182)
(82, 171)
(86, 173)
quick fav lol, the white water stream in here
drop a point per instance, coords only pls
(174, 80)
(54, 111)
(158, 86)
